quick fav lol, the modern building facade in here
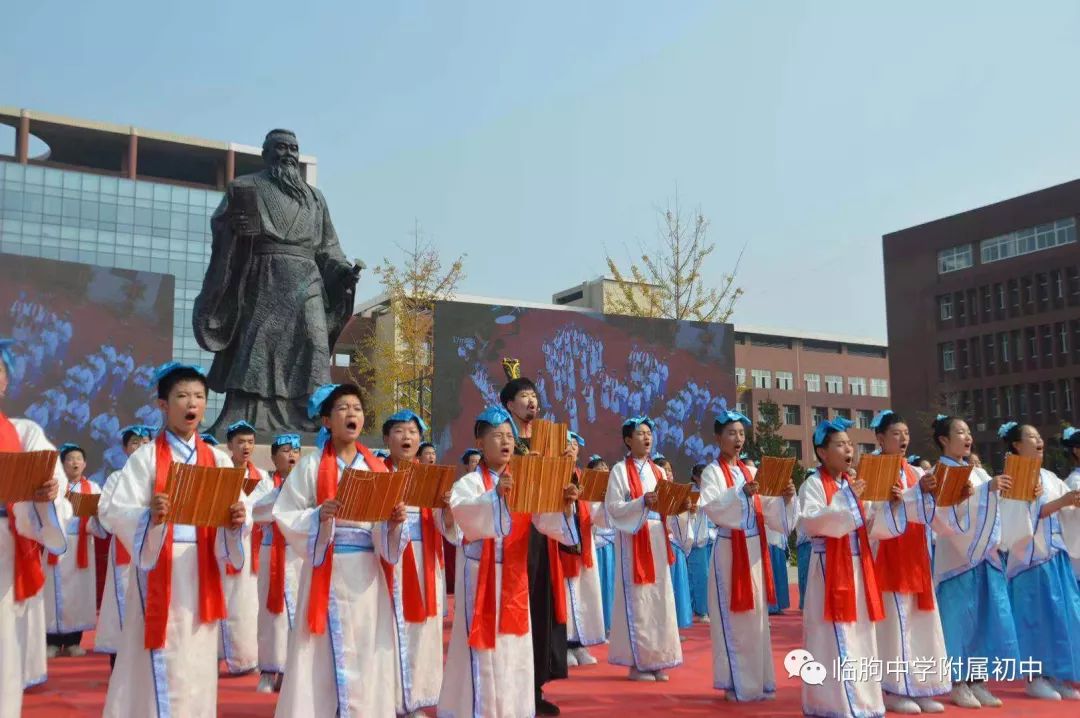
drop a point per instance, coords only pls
(984, 315)
(809, 376)
(120, 196)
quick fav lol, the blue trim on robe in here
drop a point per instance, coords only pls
(605, 562)
(802, 556)
(1046, 611)
(976, 615)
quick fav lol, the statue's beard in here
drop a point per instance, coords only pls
(287, 177)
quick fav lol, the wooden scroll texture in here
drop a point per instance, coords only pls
(22, 473)
(202, 495)
(370, 495)
(539, 482)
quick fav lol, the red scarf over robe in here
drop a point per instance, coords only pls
(275, 595)
(903, 563)
(641, 546)
(29, 575)
(256, 534)
(742, 584)
(82, 554)
(418, 606)
(840, 599)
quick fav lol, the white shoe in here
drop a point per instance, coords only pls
(661, 677)
(584, 658)
(75, 651)
(1063, 689)
(962, 696)
(901, 704)
(266, 683)
(984, 696)
(1040, 688)
(52, 651)
(730, 695)
(706, 620)
(571, 659)
(641, 676)
(929, 705)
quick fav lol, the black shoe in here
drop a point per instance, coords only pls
(546, 708)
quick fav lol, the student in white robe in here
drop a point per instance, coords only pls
(167, 661)
(110, 620)
(703, 535)
(23, 526)
(489, 666)
(644, 629)
(680, 540)
(341, 654)
(1070, 441)
(604, 542)
(1042, 589)
(416, 590)
(742, 578)
(584, 602)
(71, 579)
(843, 600)
(279, 571)
(969, 575)
(240, 630)
(911, 629)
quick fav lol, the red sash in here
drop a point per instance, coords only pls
(840, 600)
(742, 584)
(256, 536)
(82, 555)
(903, 563)
(122, 557)
(159, 580)
(275, 595)
(325, 490)
(418, 606)
(29, 575)
(572, 564)
(644, 568)
(513, 607)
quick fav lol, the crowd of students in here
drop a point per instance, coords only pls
(346, 618)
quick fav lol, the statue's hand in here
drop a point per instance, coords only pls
(351, 274)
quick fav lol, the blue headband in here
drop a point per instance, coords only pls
(576, 437)
(941, 417)
(141, 430)
(314, 405)
(5, 356)
(658, 455)
(637, 421)
(66, 449)
(209, 439)
(1005, 428)
(381, 453)
(1069, 433)
(497, 416)
(827, 426)
(595, 457)
(322, 437)
(468, 453)
(237, 426)
(876, 423)
(727, 416)
(168, 368)
(292, 440)
(914, 459)
(404, 416)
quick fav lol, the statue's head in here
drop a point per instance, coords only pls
(281, 153)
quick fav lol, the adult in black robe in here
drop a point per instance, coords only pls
(276, 294)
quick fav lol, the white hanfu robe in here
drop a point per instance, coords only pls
(584, 599)
(833, 644)
(910, 640)
(179, 679)
(644, 628)
(22, 624)
(1072, 483)
(741, 641)
(420, 645)
(70, 591)
(489, 683)
(110, 621)
(275, 629)
(239, 646)
(348, 670)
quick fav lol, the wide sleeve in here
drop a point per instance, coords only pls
(478, 513)
(727, 508)
(389, 539)
(885, 519)
(43, 521)
(558, 526)
(94, 525)
(230, 541)
(957, 520)
(780, 515)
(447, 526)
(623, 513)
(124, 508)
(297, 515)
(682, 534)
(817, 517)
(262, 511)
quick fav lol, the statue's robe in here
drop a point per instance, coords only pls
(272, 306)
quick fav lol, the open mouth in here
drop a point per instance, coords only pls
(505, 451)
(848, 459)
(292, 462)
(190, 416)
(406, 446)
(351, 425)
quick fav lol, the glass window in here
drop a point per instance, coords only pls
(945, 307)
(740, 376)
(857, 385)
(791, 415)
(879, 387)
(844, 413)
(785, 380)
(1031, 239)
(864, 418)
(813, 382)
(820, 414)
(954, 259)
(834, 384)
(948, 356)
(762, 378)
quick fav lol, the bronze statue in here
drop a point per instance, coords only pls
(276, 295)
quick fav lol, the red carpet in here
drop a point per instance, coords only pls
(76, 687)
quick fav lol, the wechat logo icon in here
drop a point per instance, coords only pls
(800, 664)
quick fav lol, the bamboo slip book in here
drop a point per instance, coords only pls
(426, 484)
(539, 483)
(548, 438)
(881, 472)
(1024, 473)
(774, 474)
(370, 495)
(671, 497)
(84, 505)
(202, 495)
(951, 481)
(594, 484)
(22, 473)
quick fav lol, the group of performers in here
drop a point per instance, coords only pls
(345, 618)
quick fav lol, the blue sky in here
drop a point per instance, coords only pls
(533, 137)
